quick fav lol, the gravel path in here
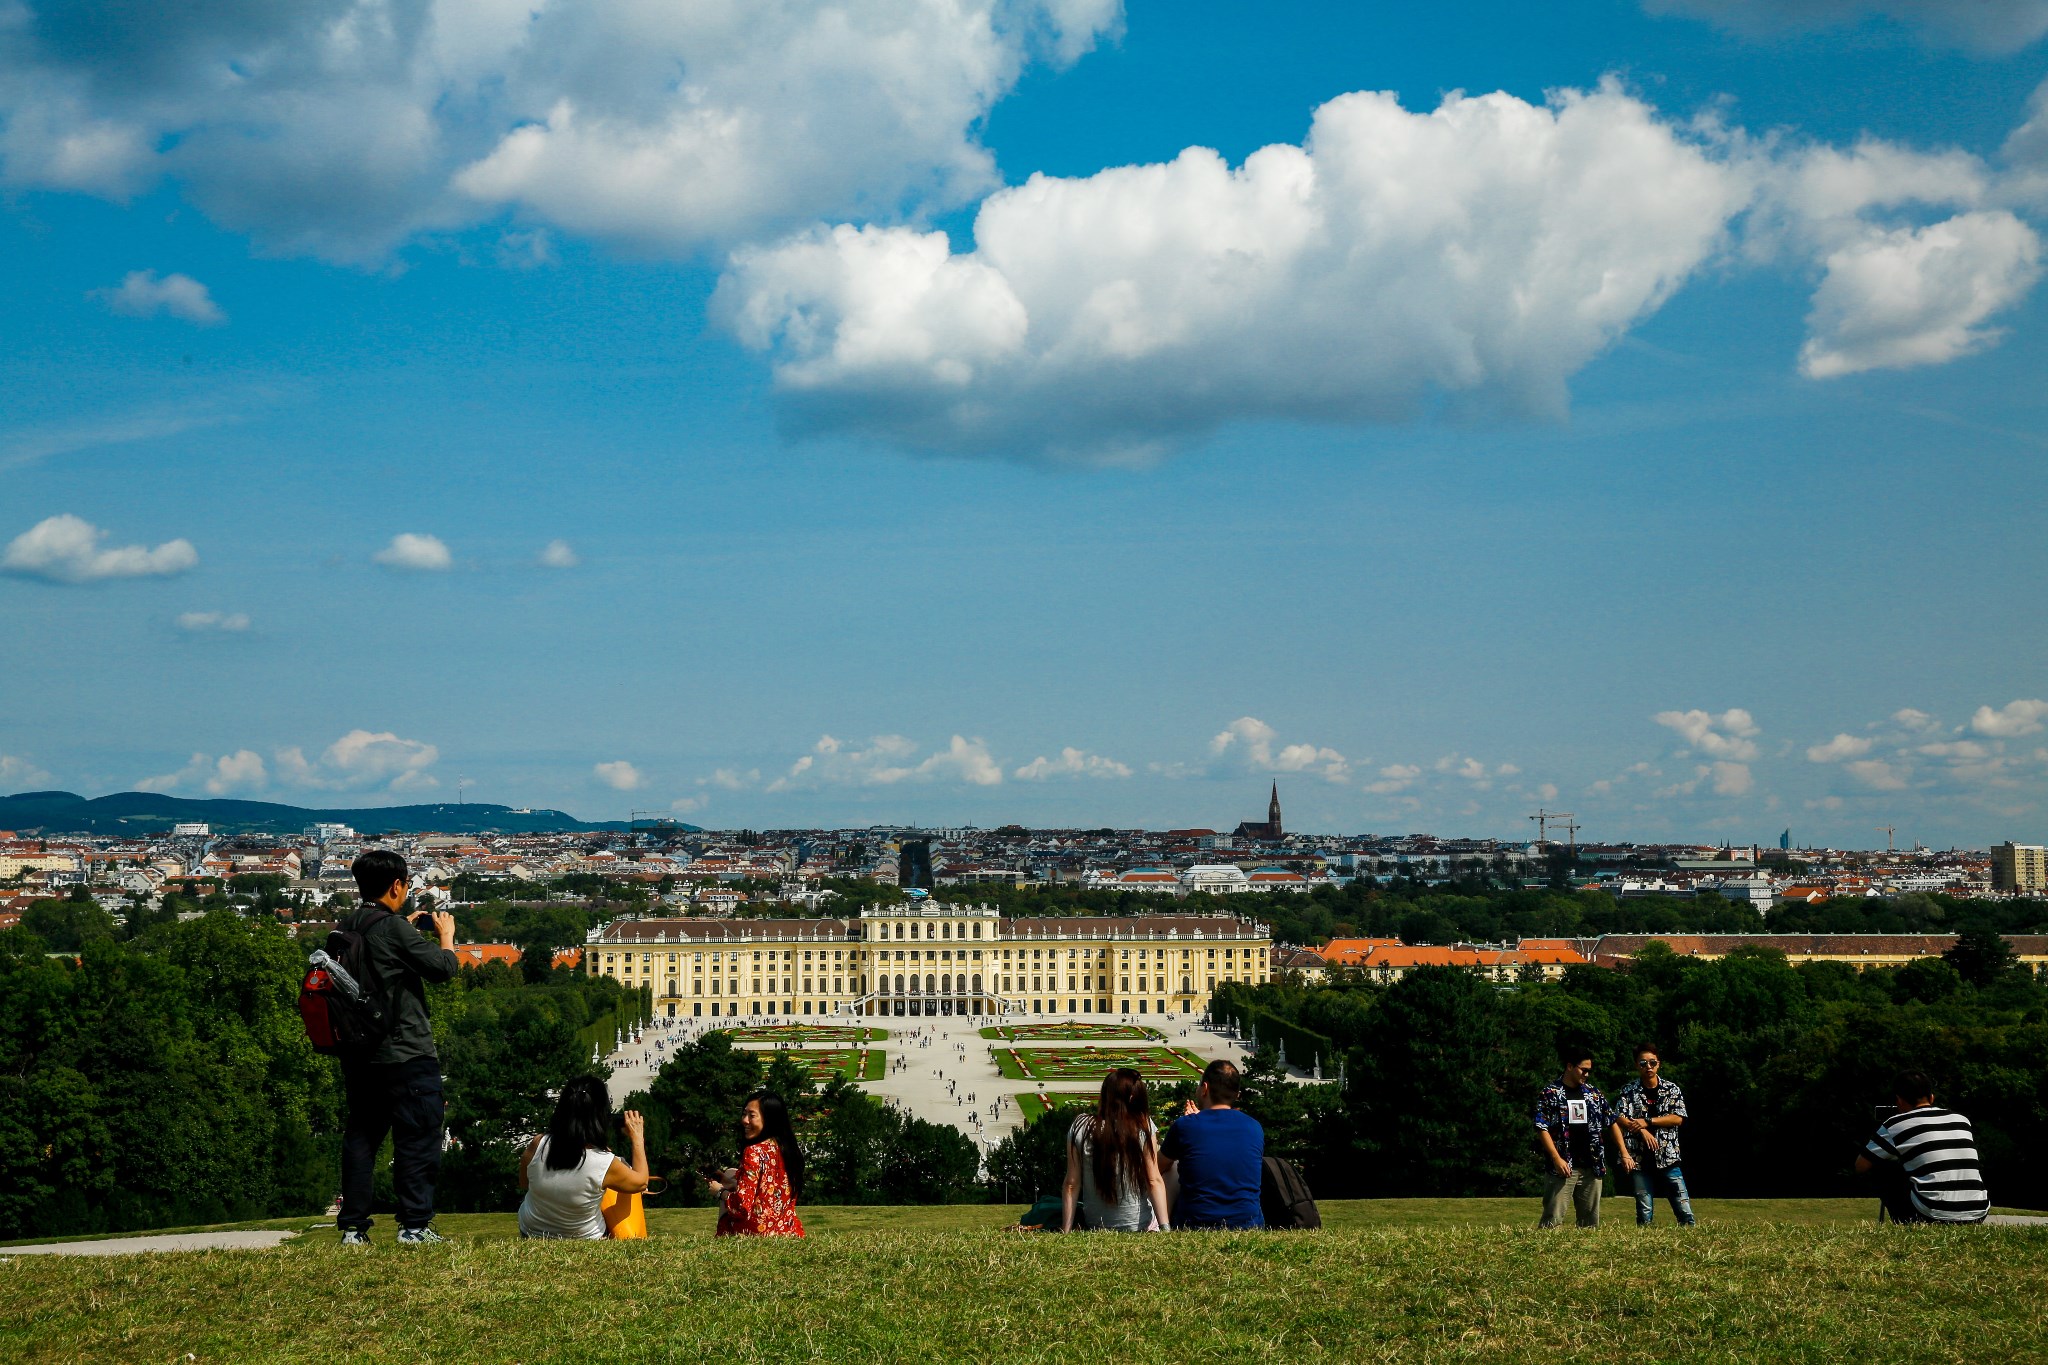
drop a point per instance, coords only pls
(935, 1064)
(165, 1241)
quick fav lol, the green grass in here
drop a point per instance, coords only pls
(1809, 1281)
(878, 1065)
(1033, 1107)
(799, 1034)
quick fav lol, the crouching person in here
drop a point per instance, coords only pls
(1926, 1158)
(567, 1169)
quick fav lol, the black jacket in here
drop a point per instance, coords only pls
(401, 962)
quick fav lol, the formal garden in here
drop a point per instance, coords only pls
(1070, 1032)
(801, 1034)
(855, 1064)
(1092, 1063)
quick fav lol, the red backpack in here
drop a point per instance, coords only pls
(337, 1002)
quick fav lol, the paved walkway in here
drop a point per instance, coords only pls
(164, 1241)
(936, 1063)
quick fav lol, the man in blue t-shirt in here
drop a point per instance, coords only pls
(1219, 1153)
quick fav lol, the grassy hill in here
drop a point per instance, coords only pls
(1810, 1281)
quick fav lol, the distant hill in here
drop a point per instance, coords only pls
(149, 813)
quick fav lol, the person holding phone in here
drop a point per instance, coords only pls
(758, 1197)
(395, 1087)
(566, 1170)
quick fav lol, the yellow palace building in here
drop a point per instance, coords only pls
(926, 958)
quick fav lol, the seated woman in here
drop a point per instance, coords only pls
(567, 1169)
(759, 1197)
(1113, 1161)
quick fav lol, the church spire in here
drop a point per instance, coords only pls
(1273, 811)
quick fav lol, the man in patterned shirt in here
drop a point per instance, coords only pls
(1648, 1111)
(1573, 1124)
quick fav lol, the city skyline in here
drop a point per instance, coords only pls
(1105, 412)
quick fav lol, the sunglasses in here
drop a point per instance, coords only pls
(1650, 1065)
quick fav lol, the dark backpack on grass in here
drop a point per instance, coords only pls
(338, 1001)
(1283, 1196)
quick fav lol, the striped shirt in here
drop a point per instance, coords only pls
(1937, 1151)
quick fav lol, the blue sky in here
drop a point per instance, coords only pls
(1666, 452)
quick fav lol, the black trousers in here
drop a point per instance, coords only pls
(404, 1100)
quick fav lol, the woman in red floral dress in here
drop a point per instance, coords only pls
(760, 1196)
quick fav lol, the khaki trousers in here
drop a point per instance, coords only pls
(1580, 1190)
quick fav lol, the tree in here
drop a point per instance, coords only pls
(697, 1096)
(1981, 956)
(68, 925)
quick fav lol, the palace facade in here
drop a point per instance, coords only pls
(929, 959)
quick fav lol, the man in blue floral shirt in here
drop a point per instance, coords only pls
(1649, 1110)
(1573, 1124)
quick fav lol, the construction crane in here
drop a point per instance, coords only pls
(1889, 830)
(1571, 833)
(1544, 819)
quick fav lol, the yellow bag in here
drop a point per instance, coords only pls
(625, 1215)
(625, 1218)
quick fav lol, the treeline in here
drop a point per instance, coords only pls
(1474, 912)
(165, 1079)
(160, 1081)
(858, 1150)
(1781, 1066)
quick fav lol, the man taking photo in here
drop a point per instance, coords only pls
(1927, 1158)
(394, 1087)
(1649, 1110)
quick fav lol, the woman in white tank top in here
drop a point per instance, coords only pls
(567, 1169)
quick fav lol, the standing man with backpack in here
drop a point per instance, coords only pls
(393, 1083)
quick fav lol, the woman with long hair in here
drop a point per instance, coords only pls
(759, 1195)
(566, 1170)
(1113, 1161)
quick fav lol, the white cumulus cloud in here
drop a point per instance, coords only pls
(887, 760)
(213, 622)
(416, 553)
(1473, 771)
(18, 774)
(2021, 717)
(68, 549)
(342, 127)
(1255, 743)
(619, 775)
(1839, 748)
(559, 554)
(1071, 763)
(1878, 775)
(1729, 736)
(1909, 296)
(363, 759)
(1395, 777)
(1486, 250)
(228, 775)
(1731, 779)
(141, 294)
